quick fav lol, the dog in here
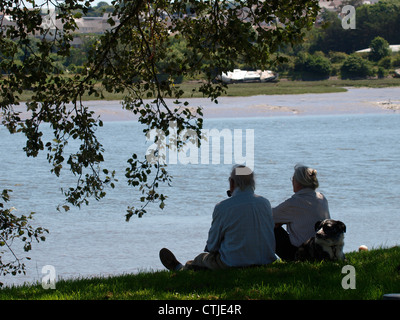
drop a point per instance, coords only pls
(327, 244)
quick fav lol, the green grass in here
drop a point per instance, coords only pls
(272, 88)
(377, 273)
(302, 87)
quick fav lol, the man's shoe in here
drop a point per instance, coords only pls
(169, 261)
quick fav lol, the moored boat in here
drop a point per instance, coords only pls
(239, 75)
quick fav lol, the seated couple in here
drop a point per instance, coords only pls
(246, 231)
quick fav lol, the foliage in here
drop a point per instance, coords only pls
(379, 49)
(101, 8)
(355, 67)
(126, 59)
(337, 57)
(396, 60)
(382, 73)
(129, 58)
(313, 67)
(12, 228)
(378, 19)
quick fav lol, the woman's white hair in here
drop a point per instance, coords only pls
(243, 177)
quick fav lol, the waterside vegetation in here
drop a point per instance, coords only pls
(283, 86)
(376, 272)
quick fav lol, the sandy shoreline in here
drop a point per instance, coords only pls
(354, 101)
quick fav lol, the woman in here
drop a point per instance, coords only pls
(299, 213)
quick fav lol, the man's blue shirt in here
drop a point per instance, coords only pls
(242, 230)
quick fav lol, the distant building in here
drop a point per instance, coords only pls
(93, 24)
(6, 21)
(54, 27)
(336, 5)
(98, 25)
(330, 5)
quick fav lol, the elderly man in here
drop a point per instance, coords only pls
(241, 233)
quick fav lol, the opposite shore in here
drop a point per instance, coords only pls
(352, 101)
(284, 98)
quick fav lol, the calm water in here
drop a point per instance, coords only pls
(357, 158)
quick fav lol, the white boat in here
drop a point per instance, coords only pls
(239, 75)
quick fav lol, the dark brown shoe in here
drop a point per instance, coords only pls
(169, 261)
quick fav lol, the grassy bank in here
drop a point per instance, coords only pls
(376, 272)
(273, 88)
(300, 87)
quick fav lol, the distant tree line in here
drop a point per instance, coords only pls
(95, 11)
(328, 49)
(305, 65)
(381, 19)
